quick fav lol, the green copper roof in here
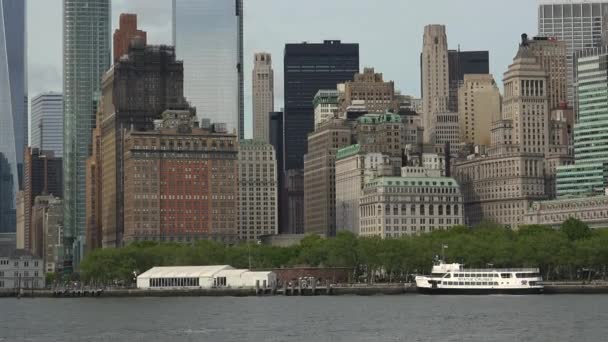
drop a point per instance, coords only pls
(379, 118)
(348, 151)
(413, 181)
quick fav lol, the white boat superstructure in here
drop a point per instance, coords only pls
(455, 279)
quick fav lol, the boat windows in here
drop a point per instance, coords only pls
(437, 275)
(485, 283)
(495, 283)
(461, 283)
(485, 275)
(468, 275)
(478, 283)
(505, 275)
(527, 275)
(467, 283)
(447, 275)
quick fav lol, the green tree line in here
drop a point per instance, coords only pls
(573, 252)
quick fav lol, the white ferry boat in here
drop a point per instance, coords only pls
(455, 279)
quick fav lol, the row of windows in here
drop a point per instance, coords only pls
(174, 282)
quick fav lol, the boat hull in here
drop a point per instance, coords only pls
(470, 291)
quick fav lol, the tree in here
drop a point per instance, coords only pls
(575, 229)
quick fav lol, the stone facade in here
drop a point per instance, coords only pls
(258, 190)
(353, 169)
(263, 95)
(19, 269)
(320, 175)
(418, 202)
(592, 210)
(180, 182)
(326, 105)
(370, 87)
(434, 75)
(478, 106)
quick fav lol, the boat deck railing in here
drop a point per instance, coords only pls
(486, 270)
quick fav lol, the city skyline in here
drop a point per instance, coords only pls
(398, 62)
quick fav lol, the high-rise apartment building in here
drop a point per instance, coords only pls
(577, 22)
(589, 174)
(124, 35)
(377, 95)
(208, 37)
(135, 92)
(258, 190)
(86, 57)
(434, 75)
(309, 68)
(47, 123)
(263, 95)
(13, 106)
(478, 107)
(461, 63)
(43, 175)
(320, 176)
(180, 181)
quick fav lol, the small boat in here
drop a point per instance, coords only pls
(455, 279)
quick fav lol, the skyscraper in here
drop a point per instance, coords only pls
(263, 95)
(434, 75)
(478, 108)
(86, 56)
(589, 174)
(135, 92)
(124, 35)
(307, 69)
(13, 106)
(461, 63)
(208, 36)
(47, 122)
(578, 22)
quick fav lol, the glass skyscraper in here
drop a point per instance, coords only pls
(309, 68)
(589, 174)
(86, 57)
(578, 22)
(208, 37)
(13, 106)
(47, 123)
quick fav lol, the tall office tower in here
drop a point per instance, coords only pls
(434, 75)
(208, 36)
(47, 123)
(320, 176)
(501, 185)
(552, 56)
(13, 106)
(263, 95)
(478, 107)
(86, 56)
(93, 191)
(187, 194)
(135, 92)
(258, 191)
(577, 22)
(377, 95)
(294, 201)
(43, 175)
(309, 68)
(461, 63)
(276, 140)
(588, 174)
(124, 35)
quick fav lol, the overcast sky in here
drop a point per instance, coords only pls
(389, 33)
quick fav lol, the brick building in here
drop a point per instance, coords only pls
(124, 35)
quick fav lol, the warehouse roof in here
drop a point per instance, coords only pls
(184, 271)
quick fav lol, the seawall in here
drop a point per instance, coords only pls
(333, 290)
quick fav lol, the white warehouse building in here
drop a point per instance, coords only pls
(207, 277)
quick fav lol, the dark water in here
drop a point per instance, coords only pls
(379, 318)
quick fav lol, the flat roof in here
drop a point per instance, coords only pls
(184, 271)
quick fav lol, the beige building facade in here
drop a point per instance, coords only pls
(263, 95)
(370, 87)
(592, 210)
(418, 202)
(479, 104)
(353, 169)
(435, 76)
(320, 174)
(258, 190)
